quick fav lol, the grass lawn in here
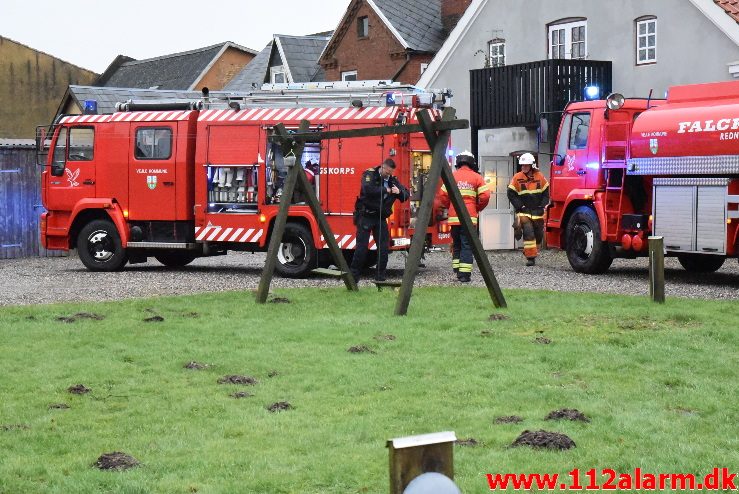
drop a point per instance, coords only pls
(658, 382)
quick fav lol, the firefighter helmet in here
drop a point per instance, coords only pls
(466, 158)
(527, 159)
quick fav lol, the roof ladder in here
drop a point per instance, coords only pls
(615, 153)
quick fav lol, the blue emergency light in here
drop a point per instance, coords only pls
(90, 107)
(592, 92)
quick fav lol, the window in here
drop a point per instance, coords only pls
(568, 40)
(153, 143)
(81, 140)
(363, 26)
(646, 41)
(496, 53)
(579, 131)
(277, 75)
(350, 75)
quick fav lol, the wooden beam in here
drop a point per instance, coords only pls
(483, 263)
(438, 144)
(279, 226)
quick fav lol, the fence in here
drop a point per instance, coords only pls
(20, 201)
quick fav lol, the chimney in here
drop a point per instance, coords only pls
(451, 11)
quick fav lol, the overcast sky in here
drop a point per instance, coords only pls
(91, 33)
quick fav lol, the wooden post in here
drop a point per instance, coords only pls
(440, 169)
(657, 269)
(279, 227)
(438, 145)
(483, 263)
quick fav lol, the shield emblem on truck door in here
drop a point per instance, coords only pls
(151, 181)
(654, 145)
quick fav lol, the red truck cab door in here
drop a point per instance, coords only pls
(72, 173)
(570, 166)
(152, 177)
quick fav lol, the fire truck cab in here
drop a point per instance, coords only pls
(624, 170)
(176, 181)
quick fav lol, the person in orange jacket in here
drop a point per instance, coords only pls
(476, 196)
(529, 195)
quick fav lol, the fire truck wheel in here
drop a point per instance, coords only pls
(701, 263)
(586, 252)
(99, 247)
(297, 254)
(175, 258)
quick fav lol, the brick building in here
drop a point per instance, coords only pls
(389, 39)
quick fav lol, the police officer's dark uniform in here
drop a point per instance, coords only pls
(374, 205)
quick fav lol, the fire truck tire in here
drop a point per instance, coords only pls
(99, 247)
(586, 252)
(297, 254)
(700, 263)
(175, 258)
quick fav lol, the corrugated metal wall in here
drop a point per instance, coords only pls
(20, 203)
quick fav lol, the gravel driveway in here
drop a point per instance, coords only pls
(64, 279)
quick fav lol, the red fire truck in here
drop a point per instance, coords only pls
(176, 181)
(627, 169)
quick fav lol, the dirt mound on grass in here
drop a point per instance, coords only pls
(13, 427)
(360, 349)
(542, 340)
(273, 373)
(115, 461)
(567, 414)
(79, 389)
(58, 406)
(385, 337)
(80, 315)
(279, 300)
(280, 406)
(468, 442)
(196, 366)
(497, 317)
(510, 419)
(244, 380)
(154, 319)
(544, 439)
(241, 394)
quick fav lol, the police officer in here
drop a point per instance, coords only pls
(380, 189)
(529, 195)
(476, 196)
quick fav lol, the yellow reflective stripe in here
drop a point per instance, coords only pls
(535, 191)
(546, 186)
(455, 219)
(455, 263)
(468, 193)
(482, 189)
(531, 216)
(465, 268)
(513, 187)
(443, 188)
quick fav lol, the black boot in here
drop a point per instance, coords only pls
(531, 261)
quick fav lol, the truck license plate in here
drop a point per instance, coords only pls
(401, 242)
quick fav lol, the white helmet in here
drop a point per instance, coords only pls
(527, 159)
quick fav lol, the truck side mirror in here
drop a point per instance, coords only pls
(543, 130)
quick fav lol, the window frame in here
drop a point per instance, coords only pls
(567, 43)
(155, 145)
(585, 120)
(275, 71)
(645, 21)
(363, 27)
(346, 73)
(81, 156)
(500, 56)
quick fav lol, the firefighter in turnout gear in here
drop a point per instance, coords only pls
(379, 190)
(529, 195)
(476, 196)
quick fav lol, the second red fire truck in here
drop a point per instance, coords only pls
(175, 182)
(627, 169)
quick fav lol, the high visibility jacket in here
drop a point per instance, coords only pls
(474, 192)
(529, 194)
